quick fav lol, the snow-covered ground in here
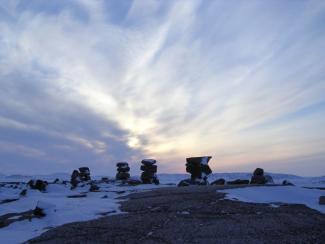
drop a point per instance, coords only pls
(62, 209)
(276, 195)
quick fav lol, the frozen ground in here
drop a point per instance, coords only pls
(98, 204)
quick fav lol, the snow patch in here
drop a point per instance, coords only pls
(277, 194)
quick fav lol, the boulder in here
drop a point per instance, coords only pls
(56, 181)
(269, 179)
(219, 182)
(258, 179)
(287, 183)
(38, 185)
(23, 193)
(43, 208)
(259, 171)
(322, 200)
(238, 182)
(94, 188)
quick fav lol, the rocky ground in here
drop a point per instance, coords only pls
(195, 214)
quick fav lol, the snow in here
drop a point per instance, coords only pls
(59, 208)
(97, 204)
(277, 194)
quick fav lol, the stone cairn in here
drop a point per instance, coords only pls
(84, 174)
(79, 176)
(123, 170)
(149, 169)
(199, 169)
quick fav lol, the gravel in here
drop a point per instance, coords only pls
(195, 214)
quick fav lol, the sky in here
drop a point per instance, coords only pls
(92, 83)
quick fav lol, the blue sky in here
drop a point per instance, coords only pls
(96, 82)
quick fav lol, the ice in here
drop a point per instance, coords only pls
(278, 194)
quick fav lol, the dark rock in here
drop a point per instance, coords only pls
(77, 196)
(258, 179)
(41, 185)
(186, 182)
(94, 188)
(122, 176)
(287, 183)
(259, 171)
(219, 182)
(148, 162)
(149, 168)
(269, 179)
(133, 182)
(105, 179)
(23, 193)
(84, 173)
(38, 185)
(322, 200)
(39, 212)
(123, 169)
(122, 164)
(197, 166)
(56, 181)
(75, 179)
(156, 181)
(238, 182)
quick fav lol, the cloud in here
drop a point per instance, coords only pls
(97, 82)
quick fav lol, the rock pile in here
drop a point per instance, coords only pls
(78, 176)
(38, 185)
(199, 169)
(123, 170)
(149, 169)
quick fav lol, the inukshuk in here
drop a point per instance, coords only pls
(122, 171)
(199, 169)
(149, 169)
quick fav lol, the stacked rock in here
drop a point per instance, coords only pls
(123, 170)
(198, 168)
(258, 177)
(78, 176)
(149, 169)
(84, 174)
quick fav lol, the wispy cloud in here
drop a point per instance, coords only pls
(163, 79)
